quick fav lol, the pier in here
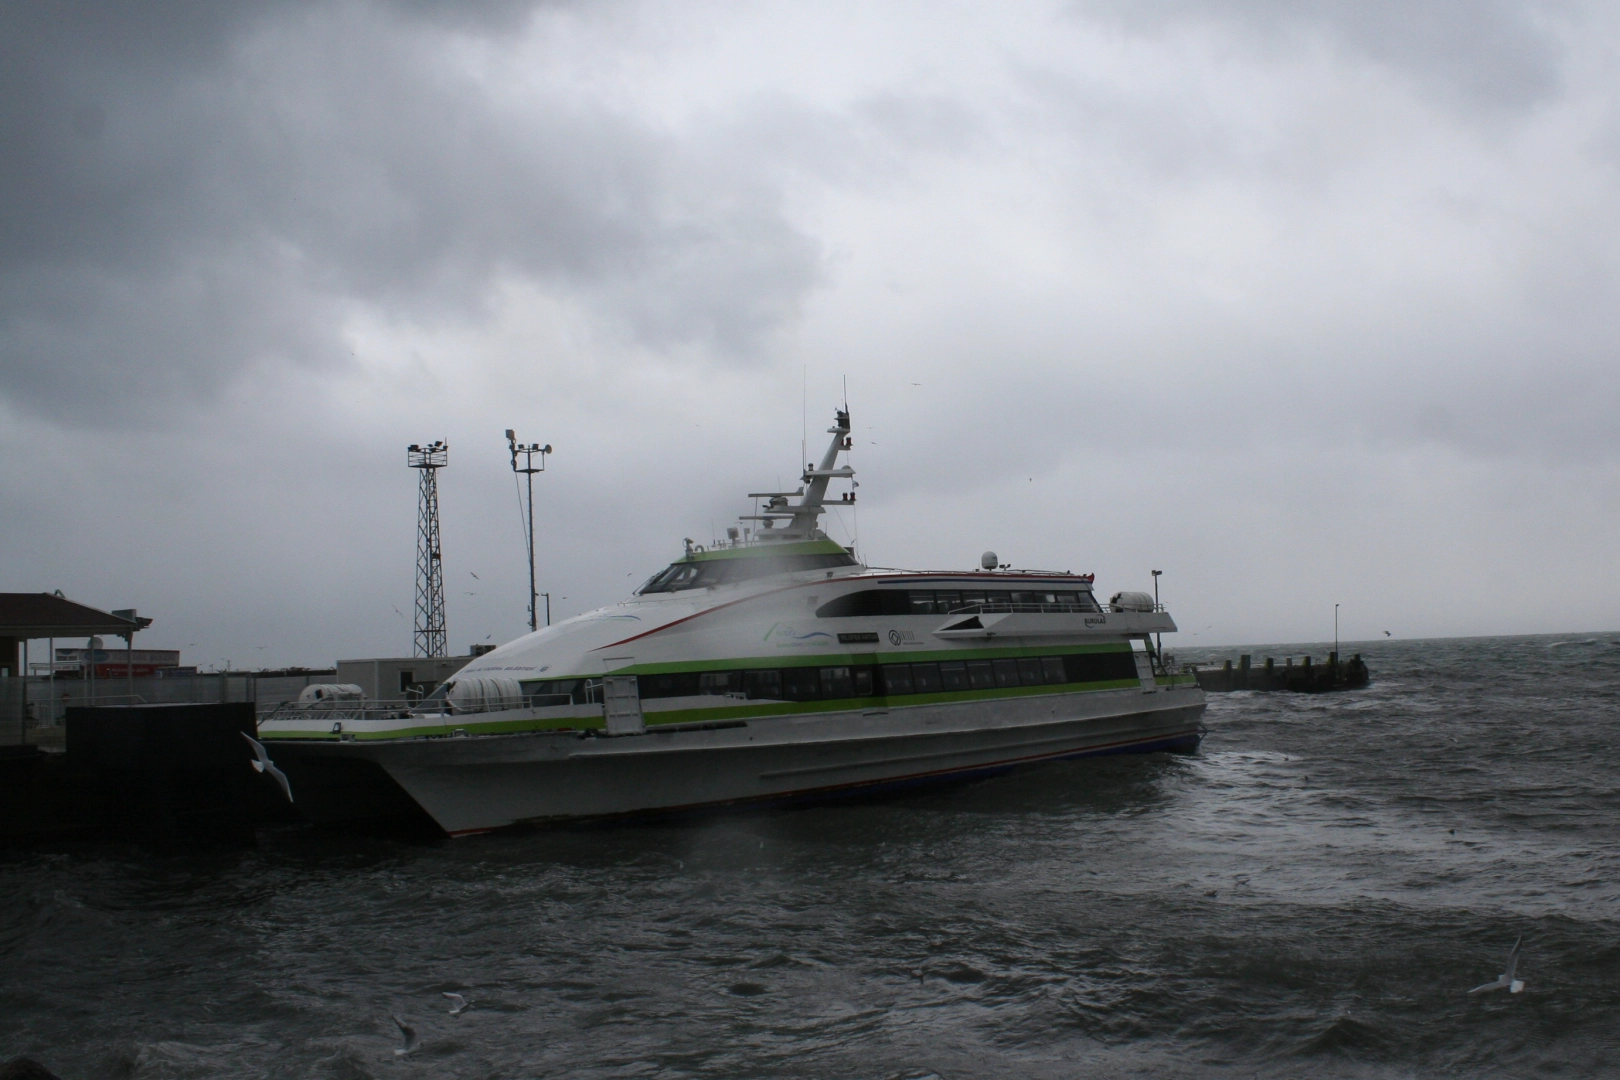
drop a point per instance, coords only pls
(1306, 677)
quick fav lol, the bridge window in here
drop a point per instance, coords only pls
(698, 574)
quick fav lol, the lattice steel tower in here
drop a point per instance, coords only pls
(430, 635)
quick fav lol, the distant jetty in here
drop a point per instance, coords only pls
(1303, 678)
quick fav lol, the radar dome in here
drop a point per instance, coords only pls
(989, 561)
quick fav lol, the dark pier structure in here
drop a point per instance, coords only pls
(1303, 678)
(174, 777)
(165, 775)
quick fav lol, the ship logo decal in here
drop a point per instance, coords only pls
(784, 634)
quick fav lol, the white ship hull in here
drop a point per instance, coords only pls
(472, 785)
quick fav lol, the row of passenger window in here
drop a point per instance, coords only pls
(947, 601)
(890, 680)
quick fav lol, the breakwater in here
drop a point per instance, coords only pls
(1306, 677)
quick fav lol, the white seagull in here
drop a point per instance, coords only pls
(263, 764)
(458, 1004)
(1505, 979)
(410, 1038)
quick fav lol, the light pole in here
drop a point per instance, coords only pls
(1159, 646)
(528, 450)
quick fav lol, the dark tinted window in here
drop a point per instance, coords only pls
(866, 602)
(853, 681)
(801, 684)
(682, 684)
(1099, 667)
(837, 683)
(1006, 672)
(763, 684)
(720, 682)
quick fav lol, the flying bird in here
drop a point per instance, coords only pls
(1505, 979)
(1386, 633)
(475, 576)
(458, 1004)
(263, 764)
(409, 1034)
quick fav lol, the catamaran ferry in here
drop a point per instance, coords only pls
(771, 667)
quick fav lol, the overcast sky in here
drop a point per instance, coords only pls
(1301, 303)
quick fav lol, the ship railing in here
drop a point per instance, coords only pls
(383, 709)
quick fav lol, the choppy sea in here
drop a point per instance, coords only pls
(1313, 893)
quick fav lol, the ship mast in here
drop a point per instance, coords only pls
(801, 516)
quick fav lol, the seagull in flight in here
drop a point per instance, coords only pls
(263, 764)
(410, 1038)
(458, 1004)
(1505, 979)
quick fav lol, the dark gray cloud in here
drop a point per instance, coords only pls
(1282, 298)
(190, 190)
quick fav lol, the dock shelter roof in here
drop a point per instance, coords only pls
(39, 615)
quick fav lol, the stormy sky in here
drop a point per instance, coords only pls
(1301, 303)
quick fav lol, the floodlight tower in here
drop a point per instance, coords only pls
(529, 469)
(430, 635)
